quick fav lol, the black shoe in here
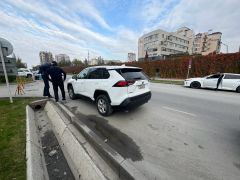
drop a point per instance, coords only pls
(49, 96)
(56, 100)
(64, 99)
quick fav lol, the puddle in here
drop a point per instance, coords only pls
(112, 136)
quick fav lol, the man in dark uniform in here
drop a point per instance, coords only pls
(58, 76)
(219, 80)
(43, 70)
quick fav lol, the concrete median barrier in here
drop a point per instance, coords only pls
(87, 155)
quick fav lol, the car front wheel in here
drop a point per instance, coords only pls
(103, 105)
(195, 85)
(71, 93)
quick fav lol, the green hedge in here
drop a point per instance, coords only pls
(10, 79)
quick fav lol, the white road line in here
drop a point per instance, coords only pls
(183, 112)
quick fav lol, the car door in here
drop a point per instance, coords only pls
(211, 81)
(93, 81)
(79, 82)
(229, 81)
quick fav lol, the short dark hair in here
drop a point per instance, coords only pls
(54, 63)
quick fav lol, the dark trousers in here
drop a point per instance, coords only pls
(219, 81)
(55, 89)
(46, 87)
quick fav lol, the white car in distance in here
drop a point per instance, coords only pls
(229, 81)
(111, 87)
(25, 72)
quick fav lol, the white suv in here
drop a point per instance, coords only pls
(111, 87)
(25, 72)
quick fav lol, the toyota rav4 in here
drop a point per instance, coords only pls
(111, 87)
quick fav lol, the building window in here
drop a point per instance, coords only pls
(162, 35)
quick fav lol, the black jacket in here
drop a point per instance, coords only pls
(43, 69)
(56, 74)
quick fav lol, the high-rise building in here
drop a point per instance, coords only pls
(62, 57)
(45, 57)
(205, 43)
(159, 43)
(131, 57)
(97, 61)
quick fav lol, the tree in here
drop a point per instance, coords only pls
(20, 64)
(36, 68)
(64, 63)
(77, 62)
(86, 62)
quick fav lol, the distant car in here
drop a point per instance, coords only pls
(25, 72)
(229, 82)
(111, 87)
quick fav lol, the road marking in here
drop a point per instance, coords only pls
(183, 112)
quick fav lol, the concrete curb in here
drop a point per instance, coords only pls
(34, 155)
(123, 167)
(81, 164)
(72, 135)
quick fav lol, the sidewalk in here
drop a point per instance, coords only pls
(169, 79)
(34, 89)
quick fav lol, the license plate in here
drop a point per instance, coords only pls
(142, 86)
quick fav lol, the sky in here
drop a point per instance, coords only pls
(108, 28)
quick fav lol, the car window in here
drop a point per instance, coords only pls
(95, 73)
(215, 76)
(20, 71)
(106, 74)
(82, 74)
(98, 73)
(132, 74)
(232, 76)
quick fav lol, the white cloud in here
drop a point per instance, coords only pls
(200, 16)
(78, 26)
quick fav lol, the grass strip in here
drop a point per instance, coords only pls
(13, 138)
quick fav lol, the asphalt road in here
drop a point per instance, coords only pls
(181, 133)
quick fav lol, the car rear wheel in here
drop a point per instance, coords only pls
(103, 105)
(71, 93)
(195, 85)
(29, 76)
(238, 89)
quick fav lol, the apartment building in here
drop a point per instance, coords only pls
(159, 43)
(131, 57)
(45, 57)
(97, 61)
(205, 43)
(62, 57)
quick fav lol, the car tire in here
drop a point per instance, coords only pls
(195, 85)
(238, 89)
(29, 76)
(103, 105)
(71, 93)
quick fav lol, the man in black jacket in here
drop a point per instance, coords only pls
(58, 76)
(219, 80)
(43, 71)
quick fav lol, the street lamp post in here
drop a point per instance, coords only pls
(225, 45)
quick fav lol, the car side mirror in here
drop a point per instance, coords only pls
(75, 77)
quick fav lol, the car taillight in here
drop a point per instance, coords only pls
(123, 83)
